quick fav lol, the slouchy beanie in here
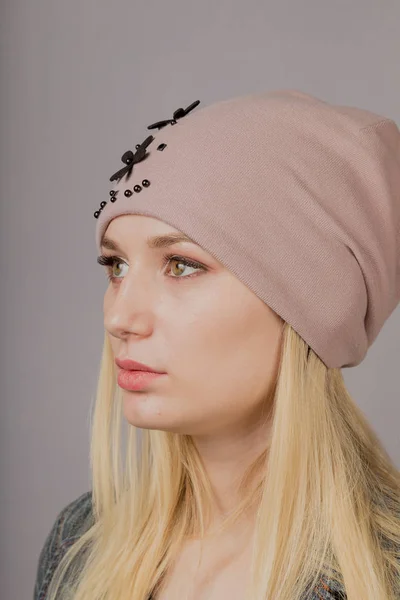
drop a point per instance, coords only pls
(297, 197)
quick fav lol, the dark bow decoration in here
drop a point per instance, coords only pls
(178, 114)
(130, 159)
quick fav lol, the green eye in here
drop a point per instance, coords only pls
(111, 261)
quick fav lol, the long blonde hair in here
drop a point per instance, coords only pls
(327, 497)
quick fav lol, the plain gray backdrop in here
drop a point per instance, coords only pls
(80, 82)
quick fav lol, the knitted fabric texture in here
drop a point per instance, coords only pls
(297, 197)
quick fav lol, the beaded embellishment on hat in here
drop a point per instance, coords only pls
(130, 158)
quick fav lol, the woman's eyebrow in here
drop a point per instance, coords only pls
(158, 241)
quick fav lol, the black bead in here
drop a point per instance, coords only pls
(145, 183)
(103, 203)
(161, 146)
(137, 146)
(112, 192)
(128, 193)
(113, 198)
(173, 122)
(137, 188)
(96, 214)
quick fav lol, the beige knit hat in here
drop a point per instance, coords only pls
(299, 198)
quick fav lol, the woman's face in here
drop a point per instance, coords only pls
(217, 342)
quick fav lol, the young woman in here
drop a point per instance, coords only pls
(253, 251)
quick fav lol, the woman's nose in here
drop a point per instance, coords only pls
(129, 307)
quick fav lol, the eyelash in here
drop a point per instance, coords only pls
(109, 262)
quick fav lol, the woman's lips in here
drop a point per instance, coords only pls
(133, 365)
(136, 380)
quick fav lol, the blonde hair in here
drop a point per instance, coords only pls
(327, 498)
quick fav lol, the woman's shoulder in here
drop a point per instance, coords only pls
(71, 522)
(77, 517)
(328, 589)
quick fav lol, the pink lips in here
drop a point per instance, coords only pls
(136, 380)
(134, 375)
(133, 365)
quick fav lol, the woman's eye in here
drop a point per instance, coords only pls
(182, 262)
(110, 269)
(181, 265)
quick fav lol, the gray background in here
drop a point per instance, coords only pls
(80, 82)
